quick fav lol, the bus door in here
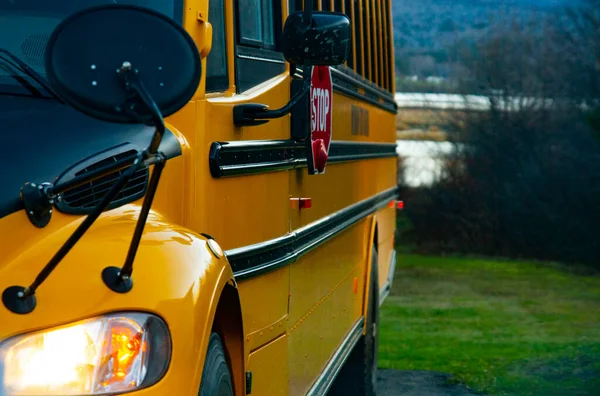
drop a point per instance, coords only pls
(247, 202)
(325, 289)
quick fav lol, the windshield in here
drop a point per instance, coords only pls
(25, 26)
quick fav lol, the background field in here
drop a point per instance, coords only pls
(500, 327)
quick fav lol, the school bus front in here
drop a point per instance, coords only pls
(240, 245)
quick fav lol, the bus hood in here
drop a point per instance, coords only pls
(42, 138)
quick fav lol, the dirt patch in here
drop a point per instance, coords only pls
(418, 383)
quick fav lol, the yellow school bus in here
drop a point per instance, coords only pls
(167, 226)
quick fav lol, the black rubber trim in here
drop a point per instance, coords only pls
(227, 159)
(347, 82)
(254, 260)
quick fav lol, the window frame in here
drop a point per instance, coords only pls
(277, 24)
(257, 61)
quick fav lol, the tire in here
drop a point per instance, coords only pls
(359, 374)
(216, 378)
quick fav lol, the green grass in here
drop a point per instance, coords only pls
(500, 327)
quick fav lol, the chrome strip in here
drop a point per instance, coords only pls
(392, 270)
(261, 59)
(257, 259)
(385, 290)
(335, 364)
(347, 82)
(384, 293)
(250, 157)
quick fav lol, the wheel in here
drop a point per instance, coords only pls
(216, 378)
(359, 374)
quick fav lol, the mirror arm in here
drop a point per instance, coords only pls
(119, 279)
(38, 201)
(138, 92)
(253, 114)
(21, 300)
(308, 12)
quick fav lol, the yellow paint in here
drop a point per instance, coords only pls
(175, 276)
(265, 364)
(292, 319)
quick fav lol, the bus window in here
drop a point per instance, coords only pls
(296, 6)
(258, 31)
(339, 6)
(346, 7)
(364, 26)
(256, 23)
(251, 30)
(389, 40)
(372, 41)
(216, 64)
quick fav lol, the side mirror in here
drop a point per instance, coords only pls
(325, 42)
(97, 60)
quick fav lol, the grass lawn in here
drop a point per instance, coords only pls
(500, 327)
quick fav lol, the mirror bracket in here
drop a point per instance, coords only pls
(38, 201)
(37, 204)
(139, 95)
(253, 114)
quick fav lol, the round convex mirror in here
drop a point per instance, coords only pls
(86, 51)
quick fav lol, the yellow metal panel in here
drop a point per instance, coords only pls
(347, 183)
(269, 368)
(313, 339)
(256, 206)
(317, 273)
(175, 276)
(341, 186)
(264, 302)
(176, 179)
(268, 333)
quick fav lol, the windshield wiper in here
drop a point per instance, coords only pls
(10, 59)
(9, 68)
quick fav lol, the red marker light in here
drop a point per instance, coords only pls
(305, 203)
(392, 204)
(400, 205)
(301, 203)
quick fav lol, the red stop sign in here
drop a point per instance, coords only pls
(321, 108)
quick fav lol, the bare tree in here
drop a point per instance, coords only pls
(527, 179)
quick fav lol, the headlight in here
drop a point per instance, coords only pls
(108, 354)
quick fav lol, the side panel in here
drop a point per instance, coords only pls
(326, 300)
(328, 284)
(269, 368)
(241, 211)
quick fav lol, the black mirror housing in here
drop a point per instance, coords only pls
(89, 53)
(326, 42)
